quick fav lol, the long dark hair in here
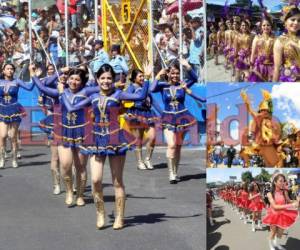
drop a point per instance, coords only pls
(104, 69)
(3, 67)
(82, 75)
(273, 187)
(175, 65)
(252, 187)
(134, 74)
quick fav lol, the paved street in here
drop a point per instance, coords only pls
(229, 232)
(217, 73)
(158, 216)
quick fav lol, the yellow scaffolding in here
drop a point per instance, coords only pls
(128, 23)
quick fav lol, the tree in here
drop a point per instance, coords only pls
(247, 177)
(243, 2)
(264, 176)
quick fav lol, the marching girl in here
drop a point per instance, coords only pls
(213, 43)
(244, 202)
(235, 34)
(11, 111)
(221, 38)
(228, 40)
(72, 132)
(176, 119)
(109, 139)
(242, 46)
(262, 62)
(287, 48)
(235, 198)
(282, 212)
(256, 205)
(48, 103)
(141, 119)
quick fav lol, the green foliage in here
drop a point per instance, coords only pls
(264, 176)
(247, 177)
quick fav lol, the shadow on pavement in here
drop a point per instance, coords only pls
(32, 156)
(145, 197)
(161, 165)
(150, 218)
(37, 163)
(292, 243)
(213, 239)
(192, 177)
(217, 224)
(222, 248)
(218, 212)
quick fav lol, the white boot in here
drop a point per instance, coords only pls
(253, 226)
(259, 225)
(14, 159)
(272, 245)
(147, 161)
(55, 181)
(140, 163)
(2, 159)
(171, 164)
(276, 244)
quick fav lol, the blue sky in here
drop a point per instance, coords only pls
(267, 3)
(285, 96)
(218, 174)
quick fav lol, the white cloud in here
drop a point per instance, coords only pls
(287, 101)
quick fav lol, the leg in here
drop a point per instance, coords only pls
(55, 169)
(66, 160)
(80, 162)
(150, 147)
(117, 167)
(273, 231)
(259, 220)
(253, 221)
(279, 236)
(171, 141)
(97, 164)
(13, 134)
(3, 135)
(179, 141)
(138, 134)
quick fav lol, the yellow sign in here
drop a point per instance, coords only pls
(126, 12)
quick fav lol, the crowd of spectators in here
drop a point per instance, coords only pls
(49, 24)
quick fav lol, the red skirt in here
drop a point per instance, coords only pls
(283, 218)
(256, 206)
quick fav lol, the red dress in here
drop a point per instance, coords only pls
(244, 201)
(283, 218)
(256, 204)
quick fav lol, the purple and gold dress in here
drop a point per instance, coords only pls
(263, 67)
(243, 51)
(290, 69)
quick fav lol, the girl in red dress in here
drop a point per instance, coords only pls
(244, 202)
(256, 205)
(282, 212)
